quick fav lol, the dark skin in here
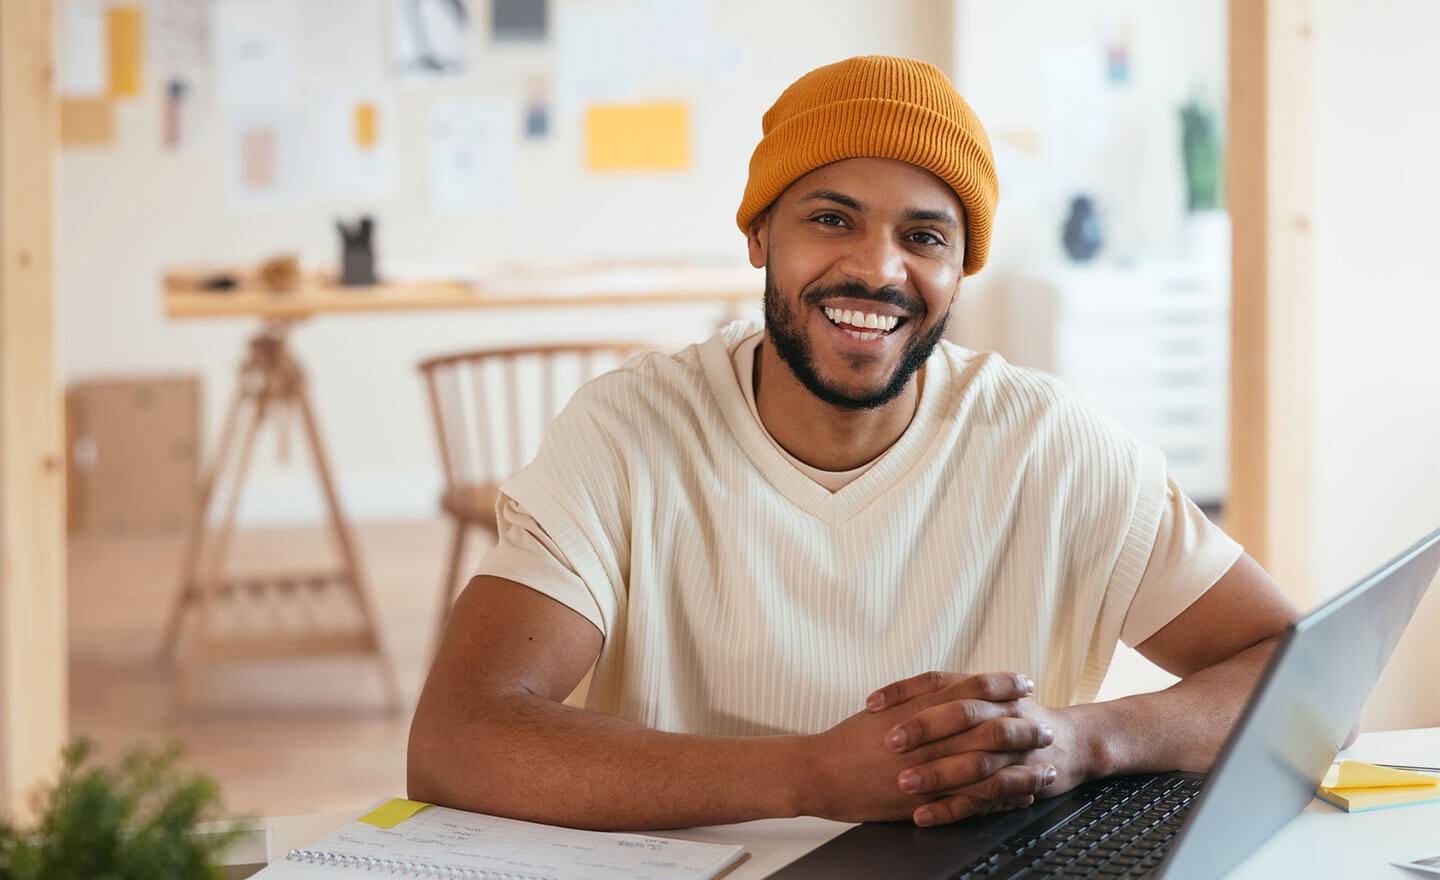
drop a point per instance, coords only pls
(491, 732)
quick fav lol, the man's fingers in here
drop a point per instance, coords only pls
(983, 724)
(995, 686)
(1009, 787)
(908, 688)
(1008, 741)
(955, 771)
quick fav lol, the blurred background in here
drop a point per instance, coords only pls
(1257, 303)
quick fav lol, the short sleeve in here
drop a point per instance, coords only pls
(1190, 555)
(526, 555)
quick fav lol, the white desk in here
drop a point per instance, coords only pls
(1322, 842)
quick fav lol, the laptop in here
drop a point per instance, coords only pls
(1177, 825)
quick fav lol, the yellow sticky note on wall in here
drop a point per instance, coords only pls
(365, 125)
(122, 24)
(638, 137)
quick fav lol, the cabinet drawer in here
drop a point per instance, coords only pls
(1082, 352)
(1146, 294)
(1170, 388)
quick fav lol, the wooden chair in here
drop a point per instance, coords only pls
(491, 407)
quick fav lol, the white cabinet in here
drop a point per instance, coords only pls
(1149, 345)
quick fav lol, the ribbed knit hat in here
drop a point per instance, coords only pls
(877, 106)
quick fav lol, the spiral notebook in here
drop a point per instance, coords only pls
(400, 838)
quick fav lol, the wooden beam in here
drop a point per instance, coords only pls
(32, 492)
(1272, 411)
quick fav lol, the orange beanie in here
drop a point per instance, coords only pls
(877, 106)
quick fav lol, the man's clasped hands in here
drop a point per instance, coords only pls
(943, 746)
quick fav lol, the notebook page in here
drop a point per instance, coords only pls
(493, 846)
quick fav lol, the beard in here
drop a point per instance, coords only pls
(785, 327)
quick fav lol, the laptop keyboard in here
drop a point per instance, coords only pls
(1122, 830)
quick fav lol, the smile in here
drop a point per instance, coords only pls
(864, 326)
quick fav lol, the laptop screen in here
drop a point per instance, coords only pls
(1300, 714)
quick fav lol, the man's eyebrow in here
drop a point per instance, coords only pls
(830, 195)
(942, 217)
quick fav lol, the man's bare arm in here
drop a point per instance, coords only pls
(1218, 647)
(491, 734)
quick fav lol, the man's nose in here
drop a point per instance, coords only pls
(876, 261)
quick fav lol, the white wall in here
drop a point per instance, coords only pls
(130, 211)
(1377, 314)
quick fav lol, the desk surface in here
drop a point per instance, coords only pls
(1322, 842)
(187, 297)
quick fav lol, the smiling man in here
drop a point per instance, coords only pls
(834, 565)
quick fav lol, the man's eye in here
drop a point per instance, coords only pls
(926, 238)
(830, 220)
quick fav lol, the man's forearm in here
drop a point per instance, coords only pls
(528, 757)
(1179, 728)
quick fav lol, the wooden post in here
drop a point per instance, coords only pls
(1272, 410)
(32, 476)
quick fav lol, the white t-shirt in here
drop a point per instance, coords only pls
(584, 486)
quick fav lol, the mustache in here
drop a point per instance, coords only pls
(855, 290)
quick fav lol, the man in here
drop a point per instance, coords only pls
(748, 538)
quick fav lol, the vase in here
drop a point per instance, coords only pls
(1081, 235)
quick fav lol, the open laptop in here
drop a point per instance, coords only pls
(1299, 715)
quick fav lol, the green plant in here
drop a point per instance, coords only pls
(1203, 152)
(129, 822)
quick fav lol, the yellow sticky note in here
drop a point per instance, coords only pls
(638, 137)
(392, 812)
(122, 25)
(365, 125)
(1355, 786)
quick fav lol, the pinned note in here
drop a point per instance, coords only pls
(1355, 786)
(86, 122)
(123, 24)
(638, 137)
(365, 136)
(392, 812)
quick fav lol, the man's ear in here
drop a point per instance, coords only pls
(756, 240)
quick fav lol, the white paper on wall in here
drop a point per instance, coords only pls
(600, 55)
(729, 61)
(681, 35)
(84, 50)
(431, 38)
(257, 53)
(351, 143)
(178, 39)
(472, 150)
(265, 156)
(343, 43)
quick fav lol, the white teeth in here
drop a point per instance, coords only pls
(868, 321)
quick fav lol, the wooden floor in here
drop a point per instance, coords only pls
(289, 737)
(281, 737)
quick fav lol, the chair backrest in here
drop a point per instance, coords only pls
(491, 406)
